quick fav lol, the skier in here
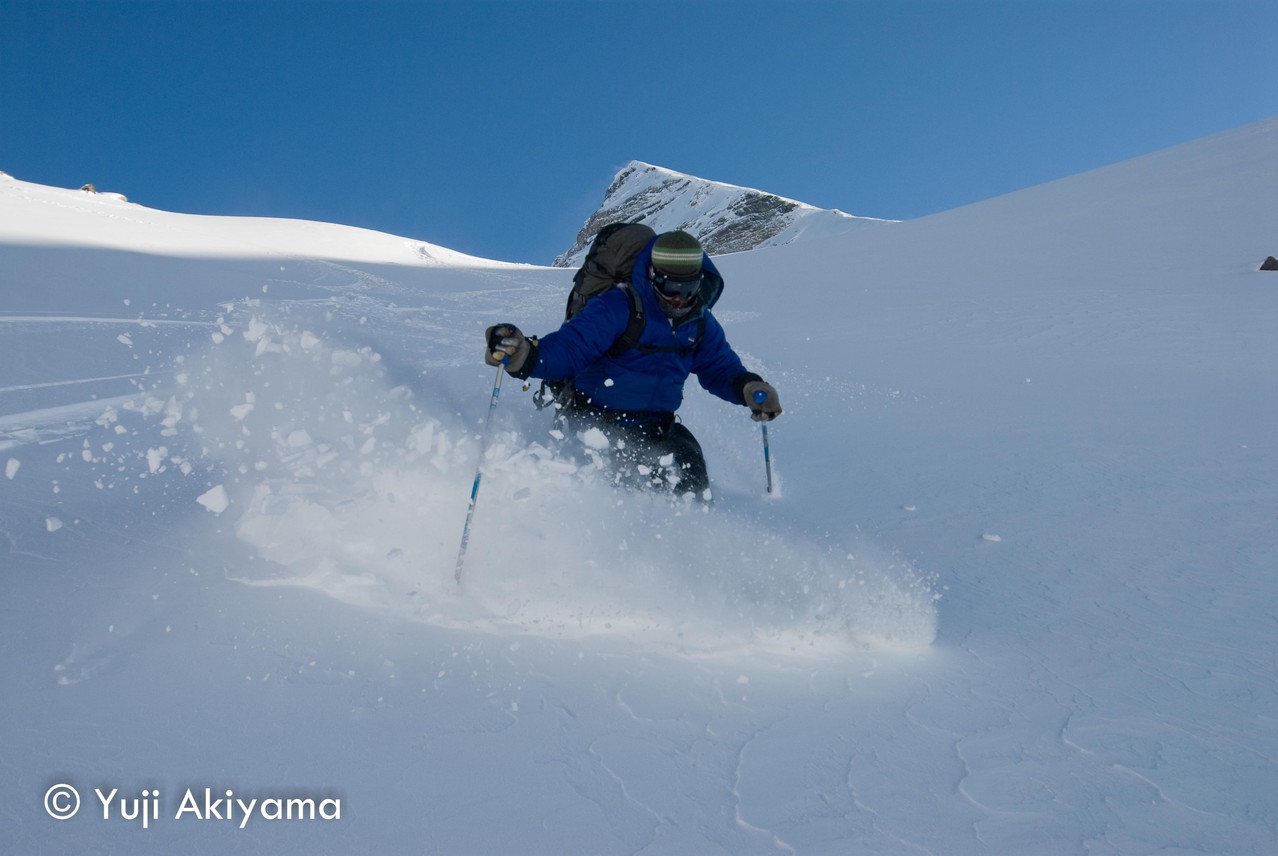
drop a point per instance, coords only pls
(632, 396)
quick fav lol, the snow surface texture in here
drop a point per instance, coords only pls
(237, 471)
(727, 218)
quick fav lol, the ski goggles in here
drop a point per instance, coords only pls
(686, 289)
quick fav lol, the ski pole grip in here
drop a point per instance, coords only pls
(760, 396)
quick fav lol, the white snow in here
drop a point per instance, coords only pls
(595, 439)
(154, 457)
(51, 217)
(860, 665)
(214, 499)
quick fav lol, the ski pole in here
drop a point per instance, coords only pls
(479, 470)
(759, 397)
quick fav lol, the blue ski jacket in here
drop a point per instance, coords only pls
(649, 378)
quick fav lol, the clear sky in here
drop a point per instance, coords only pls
(494, 126)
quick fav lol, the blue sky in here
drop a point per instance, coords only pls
(494, 126)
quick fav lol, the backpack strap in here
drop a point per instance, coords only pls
(638, 318)
(629, 337)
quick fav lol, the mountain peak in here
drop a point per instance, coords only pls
(725, 217)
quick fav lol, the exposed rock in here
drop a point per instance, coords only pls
(726, 218)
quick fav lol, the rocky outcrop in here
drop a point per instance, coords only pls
(726, 218)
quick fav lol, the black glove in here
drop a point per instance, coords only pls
(506, 343)
(762, 400)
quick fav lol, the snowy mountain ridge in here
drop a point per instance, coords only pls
(726, 218)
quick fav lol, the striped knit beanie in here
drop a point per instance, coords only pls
(677, 255)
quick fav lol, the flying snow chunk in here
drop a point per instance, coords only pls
(595, 439)
(53, 524)
(124, 339)
(257, 329)
(155, 458)
(11, 468)
(299, 439)
(214, 499)
(989, 536)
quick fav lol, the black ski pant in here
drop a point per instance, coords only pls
(658, 452)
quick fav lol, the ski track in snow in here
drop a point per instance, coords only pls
(49, 384)
(58, 423)
(100, 319)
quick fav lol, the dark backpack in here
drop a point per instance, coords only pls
(610, 262)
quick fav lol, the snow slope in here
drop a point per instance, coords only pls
(235, 484)
(40, 216)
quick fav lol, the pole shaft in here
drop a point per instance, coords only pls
(767, 455)
(759, 397)
(479, 472)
